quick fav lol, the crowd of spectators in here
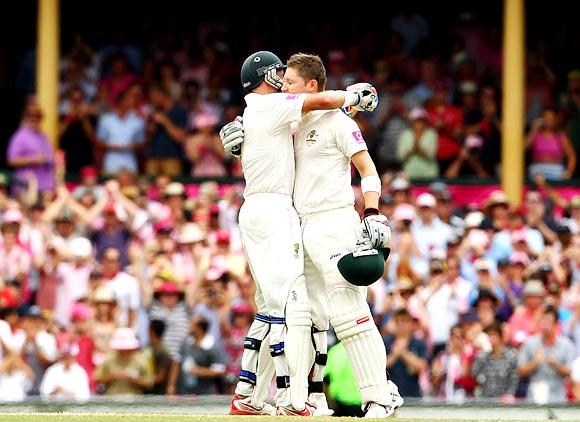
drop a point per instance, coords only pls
(138, 284)
(155, 107)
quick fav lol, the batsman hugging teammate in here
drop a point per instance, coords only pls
(271, 237)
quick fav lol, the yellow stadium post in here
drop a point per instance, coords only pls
(512, 166)
(47, 52)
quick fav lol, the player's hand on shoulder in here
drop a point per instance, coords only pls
(369, 98)
(376, 228)
(232, 136)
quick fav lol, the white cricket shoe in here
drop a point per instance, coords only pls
(242, 406)
(318, 401)
(397, 399)
(375, 410)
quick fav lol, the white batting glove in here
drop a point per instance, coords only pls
(376, 227)
(232, 136)
(369, 99)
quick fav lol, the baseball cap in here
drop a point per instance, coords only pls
(519, 236)
(81, 311)
(164, 225)
(474, 219)
(386, 199)
(174, 189)
(34, 312)
(124, 339)
(104, 294)
(485, 294)
(438, 187)
(404, 212)
(417, 113)
(519, 258)
(426, 200)
(482, 264)
(12, 216)
(222, 237)
(533, 287)
(473, 142)
(89, 171)
(400, 184)
(242, 308)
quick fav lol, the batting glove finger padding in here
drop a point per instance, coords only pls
(232, 136)
(369, 98)
(376, 227)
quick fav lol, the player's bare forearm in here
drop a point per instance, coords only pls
(366, 167)
(327, 100)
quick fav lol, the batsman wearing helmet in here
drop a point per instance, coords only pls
(271, 236)
(342, 255)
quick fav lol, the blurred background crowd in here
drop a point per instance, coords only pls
(120, 276)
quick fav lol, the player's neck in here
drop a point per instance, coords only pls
(264, 88)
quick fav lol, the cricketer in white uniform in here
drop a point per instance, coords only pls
(271, 237)
(324, 146)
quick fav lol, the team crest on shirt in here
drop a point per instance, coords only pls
(312, 137)
(296, 249)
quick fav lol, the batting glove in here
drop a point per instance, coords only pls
(376, 227)
(232, 136)
(369, 99)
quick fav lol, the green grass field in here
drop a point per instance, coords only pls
(94, 417)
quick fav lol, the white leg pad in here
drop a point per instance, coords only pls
(278, 351)
(351, 318)
(299, 351)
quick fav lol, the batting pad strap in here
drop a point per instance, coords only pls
(252, 343)
(247, 376)
(263, 318)
(315, 387)
(317, 330)
(351, 324)
(283, 381)
(370, 184)
(321, 358)
(277, 349)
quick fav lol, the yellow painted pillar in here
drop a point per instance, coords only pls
(47, 69)
(512, 166)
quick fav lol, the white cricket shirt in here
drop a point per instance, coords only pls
(267, 151)
(323, 145)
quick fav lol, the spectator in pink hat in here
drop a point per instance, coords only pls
(204, 148)
(126, 370)
(169, 306)
(79, 334)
